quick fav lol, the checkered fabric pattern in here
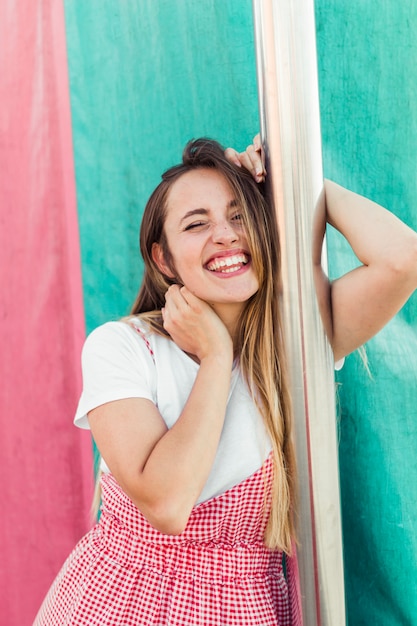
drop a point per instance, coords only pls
(216, 573)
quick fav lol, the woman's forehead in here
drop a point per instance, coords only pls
(199, 188)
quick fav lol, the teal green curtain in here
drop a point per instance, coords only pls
(368, 90)
(146, 76)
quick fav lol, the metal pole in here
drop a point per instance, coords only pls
(290, 130)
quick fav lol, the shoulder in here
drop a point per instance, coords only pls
(121, 338)
(130, 336)
(116, 329)
(116, 364)
(123, 330)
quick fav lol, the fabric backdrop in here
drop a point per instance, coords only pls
(46, 465)
(145, 76)
(368, 78)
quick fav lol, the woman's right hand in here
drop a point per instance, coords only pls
(194, 326)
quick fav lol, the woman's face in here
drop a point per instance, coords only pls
(207, 240)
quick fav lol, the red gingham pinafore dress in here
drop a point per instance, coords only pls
(216, 573)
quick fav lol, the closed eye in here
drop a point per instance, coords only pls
(194, 225)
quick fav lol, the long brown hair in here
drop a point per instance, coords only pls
(259, 344)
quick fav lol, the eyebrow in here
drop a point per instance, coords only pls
(202, 211)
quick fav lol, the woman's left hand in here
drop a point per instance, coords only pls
(253, 159)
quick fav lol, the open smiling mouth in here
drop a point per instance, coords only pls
(228, 265)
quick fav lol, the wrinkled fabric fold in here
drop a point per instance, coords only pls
(218, 572)
(47, 467)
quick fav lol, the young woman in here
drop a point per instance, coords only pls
(187, 401)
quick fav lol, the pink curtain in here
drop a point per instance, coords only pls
(46, 463)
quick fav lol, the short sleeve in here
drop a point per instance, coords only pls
(116, 364)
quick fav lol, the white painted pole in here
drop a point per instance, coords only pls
(290, 130)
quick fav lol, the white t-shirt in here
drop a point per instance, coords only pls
(119, 362)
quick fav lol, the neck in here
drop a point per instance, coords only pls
(229, 314)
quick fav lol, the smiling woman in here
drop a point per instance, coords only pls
(207, 245)
(188, 403)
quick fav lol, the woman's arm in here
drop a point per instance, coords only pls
(358, 304)
(365, 299)
(164, 471)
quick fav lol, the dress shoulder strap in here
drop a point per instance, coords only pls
(143, 336)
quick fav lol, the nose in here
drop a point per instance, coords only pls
(223, 232)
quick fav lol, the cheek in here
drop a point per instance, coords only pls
(182, 269)
(169, 260)
(186, 256)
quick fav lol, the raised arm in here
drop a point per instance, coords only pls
(358, 304)
(365, 299)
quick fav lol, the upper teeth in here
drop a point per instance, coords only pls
(228, 261)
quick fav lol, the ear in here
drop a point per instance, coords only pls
(159, 259)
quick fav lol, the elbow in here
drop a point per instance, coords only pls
(166, 512)
(168, 523)
(167, 518)
(403, 266)
(412, 261)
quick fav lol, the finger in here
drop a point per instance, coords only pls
(249, 158)
(232, 156)
(190, 299)
(257, 142)
(172, 299)
(185, 294)
(172, 311)
(177, 297)
(172, 289)
(257, 167)
(246, 162)
(165, 312)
